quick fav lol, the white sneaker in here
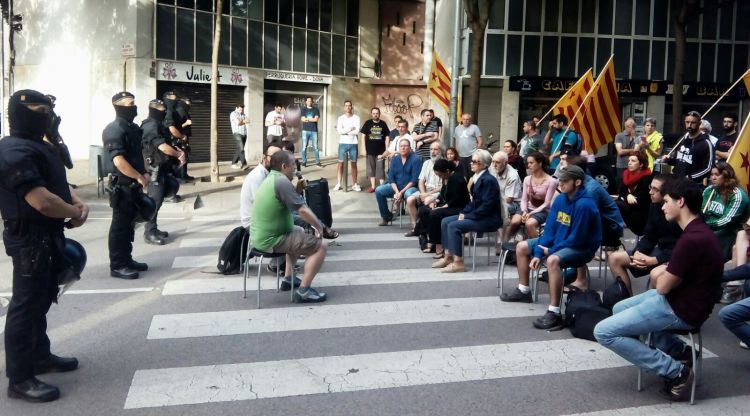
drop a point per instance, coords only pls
(337, 187)
(743, 345)
(356, 188)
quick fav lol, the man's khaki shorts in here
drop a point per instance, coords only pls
(298, 243)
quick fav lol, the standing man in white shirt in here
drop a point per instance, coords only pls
(239, 133)
(275, 123)
(348, 128)
(468, 139)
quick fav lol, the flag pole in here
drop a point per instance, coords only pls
(454, 72)
(558, 101)
(727, 92)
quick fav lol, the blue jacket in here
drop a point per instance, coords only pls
(571, 224)
(485, 202)
(611, 217)
(401, 174)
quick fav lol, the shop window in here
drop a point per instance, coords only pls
(300, 13)
(255, 44)
(285, 12)
(661, 18)
(339, 17)
(313, 14)
(352, 57)
(549, 56)
(640, 59)
(708, 57)
(298, 50)
(533, 20)
(285, 48)
(658, 55)
(570, 16)
(515, 15)
(325, 15)
(551, 12)
(585, 54)
(165, 27)
(272, 11)
(497, 15)
(494, 54)
(239, 42)
(203, 36)
(723, 69)
(588, 16)
(513, 63)
(605, 17)
(622, 58)
(270, 50)
(312, 51)
(338, 58)
(185, 50)
(225, 42)
(642, 17)
(531, 55)
(568, 57)
(624, 17)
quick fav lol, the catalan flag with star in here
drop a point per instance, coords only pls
(439, 84)
(739, 158)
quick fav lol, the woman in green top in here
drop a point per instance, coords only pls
(725, 206)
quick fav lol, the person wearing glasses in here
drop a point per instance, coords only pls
(655, 246)
(695, 155)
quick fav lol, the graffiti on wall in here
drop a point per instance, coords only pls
(406, 102)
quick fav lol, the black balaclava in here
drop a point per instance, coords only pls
(25, 122)
(155, 112)
(171, 103)
(127, 113)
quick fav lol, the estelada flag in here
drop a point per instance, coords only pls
(439, 84)
(739, 158)
(598, 118)
(746, 79)
(569, 103)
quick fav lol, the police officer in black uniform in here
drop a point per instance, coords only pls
(122, 145)
(160, 156)
(174, 122)
(35, 200)
(183, 111)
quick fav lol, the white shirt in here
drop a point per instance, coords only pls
(348, 128)
(271, 118)
(428, 176)
(237, 128)
(249, 190)
(393, 147)
(510, 184)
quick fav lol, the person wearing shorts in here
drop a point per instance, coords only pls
(348, 128)
(571, 238)
(374, 134)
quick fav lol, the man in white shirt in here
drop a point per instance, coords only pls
(468, 138)
(429, 186)
(403, 133)
(275, 123)
(510, 185)
(239, 133)
(348, 128)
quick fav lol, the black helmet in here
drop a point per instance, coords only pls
(146, 207)
(75, 255)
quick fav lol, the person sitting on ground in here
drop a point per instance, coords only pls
(429, 186)
(482, 214)
(572, 236)
(538, 190)
(735, 317)
(273, 229)
(633, 200)
(684, 295)
(402, 180)
(510, 187)
(655, 245)
(724, 206)
(514, 159)
(453, 197)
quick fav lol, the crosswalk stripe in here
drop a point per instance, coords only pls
(202, 242)
(221, 228)
(734, 405)
(348, 373)
(328, 279)
(256, 321)
(344, 238)
(181, 262)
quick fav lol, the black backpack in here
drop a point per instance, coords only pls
(615, 293)
(230, 257)
(583, 310)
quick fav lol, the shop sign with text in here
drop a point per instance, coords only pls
(297, 77)
(183, 72)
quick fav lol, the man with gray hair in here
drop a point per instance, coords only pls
(706, 129)
(429, 186)
(509, 182)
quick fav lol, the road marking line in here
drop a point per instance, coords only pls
(327, 279)
(182, 262)
(344, 238)
(348, 373)
(202, 242)
(256, 321)
(98, 291)
(735, 405)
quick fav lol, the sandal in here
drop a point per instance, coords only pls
(330, 234)
(439, 255)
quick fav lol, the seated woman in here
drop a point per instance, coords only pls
(451, 154)
(724, 206)
(633, 198)
(538, 190)
(452, 198)
(482, 214)
(735, 317)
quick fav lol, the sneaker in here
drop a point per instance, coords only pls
(516, 296)
(309, 296)
(731, 294)
(743, 345)
(337, 187)
(356, 188)
(549, 321)
(686, 355)
(286, 283)
(678, 389)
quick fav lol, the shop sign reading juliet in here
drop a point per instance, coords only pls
(182, 72)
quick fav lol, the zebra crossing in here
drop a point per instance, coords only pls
(393, 328)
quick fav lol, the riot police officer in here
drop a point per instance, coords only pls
(186, 121)
(35, 200)
(174, 122)
(122, 145)
(160, 156)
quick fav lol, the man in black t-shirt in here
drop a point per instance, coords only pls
(724, 145)
(424, 133)
(374, 132)
(684, 295)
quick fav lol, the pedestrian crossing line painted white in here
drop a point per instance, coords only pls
(98, 291)
(343, 238)
(727, 406)
(221, 228)
(387, 255)
(257, 321)
(349, 373)
(344, 225)
(327, 279)
(202, 242)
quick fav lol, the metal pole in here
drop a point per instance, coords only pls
(346, 171)
(454, 72)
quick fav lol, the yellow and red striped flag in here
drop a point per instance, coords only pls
(439, 84)
(746, 79)
(598, 118)
(739, 158)
(569, 103)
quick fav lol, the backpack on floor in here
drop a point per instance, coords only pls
(583, 310)
(230, 257)
(615, 293)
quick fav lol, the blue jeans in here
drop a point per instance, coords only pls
(452, 233)
(639, 315)
(385, 191)
(735, 318)
(310, 137)
(350, 149)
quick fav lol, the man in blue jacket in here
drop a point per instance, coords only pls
(571, 237)
(403, 177)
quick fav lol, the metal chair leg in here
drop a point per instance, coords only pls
(639, 386)
(501, 270)
(473, 236)
(260, 267)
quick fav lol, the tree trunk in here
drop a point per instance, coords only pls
(477, 13)
(679, 66)
(214, 93)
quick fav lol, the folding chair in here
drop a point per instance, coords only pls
(474, 236)
(696, 358)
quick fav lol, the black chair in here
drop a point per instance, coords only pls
(696, 358)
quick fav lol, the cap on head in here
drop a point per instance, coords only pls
(120, 97)
(571, 172)
(155, 103)
(30, 97)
